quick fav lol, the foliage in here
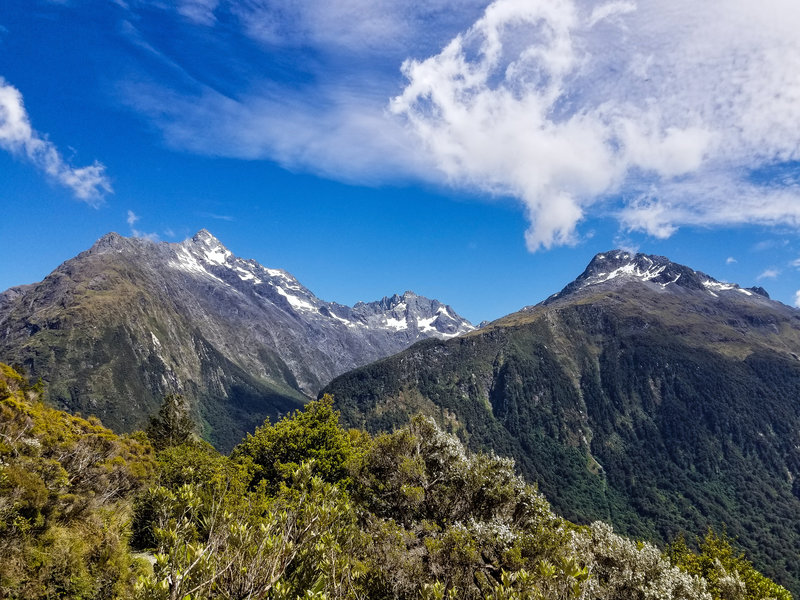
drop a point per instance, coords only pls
(307, 510)
(64, 481)
(313, 434)
(282, 546)
(173, 425)
(729, 575)
(620, 412)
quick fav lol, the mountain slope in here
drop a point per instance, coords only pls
(644, 393)
(128, 321)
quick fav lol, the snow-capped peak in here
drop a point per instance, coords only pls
(621, 266)
(408, 315)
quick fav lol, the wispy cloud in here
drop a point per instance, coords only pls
(662, 115)
(772, 244)
(770, 273)
(200, 12)
(797, 299)
(327, 115)
(18, 137)
(132, 218)
(218, 217)
(795, 263)
(730, 261)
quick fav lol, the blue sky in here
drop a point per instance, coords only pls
(480, 153)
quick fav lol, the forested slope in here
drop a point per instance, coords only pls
(306, 509)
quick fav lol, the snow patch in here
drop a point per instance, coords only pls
(426, 325)
(246, 275)
(294, 301)
(188, 263)
(717, 286)
(217, 255)
(345, 321)
(678, 276)
(443, 310)
(396, 324)
(631, 269)
(280, 274)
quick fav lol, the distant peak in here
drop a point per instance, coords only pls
(620, 266)
(110, 241)
(112, 237)
(204, 236)
(204, 245)
(757, 289)
(645, 267)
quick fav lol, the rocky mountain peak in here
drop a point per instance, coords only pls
(110, 241)
(242, 340)
(206, 238)
(617, 267)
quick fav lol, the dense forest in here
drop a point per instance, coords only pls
(620, 413)
(304, 508)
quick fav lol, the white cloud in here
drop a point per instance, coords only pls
(200, 12)
(661, 114)
(132, 218)
(652, 111)
(770, 273)
(217, 217)
(730, 260)
(18, 137)
(797, 299)
(329, 118)
(795, 263)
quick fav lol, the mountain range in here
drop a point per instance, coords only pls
(116, 328)
(644, 394)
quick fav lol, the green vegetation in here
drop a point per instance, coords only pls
(65, 490)
(304, 509)
(622, 409)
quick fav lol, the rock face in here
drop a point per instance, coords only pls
(618, 267)
(122, 324)
(644, 393)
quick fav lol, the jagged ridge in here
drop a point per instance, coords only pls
(129, 320)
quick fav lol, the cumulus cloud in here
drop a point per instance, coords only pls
(18, 137)
(651, 111)
(660, 114)
(797, 299)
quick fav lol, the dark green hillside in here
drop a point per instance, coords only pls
(659, 412)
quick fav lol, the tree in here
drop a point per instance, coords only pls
(313, 434)
(173, 425)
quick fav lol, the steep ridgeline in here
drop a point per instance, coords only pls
(119, 326)
(644, 393)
